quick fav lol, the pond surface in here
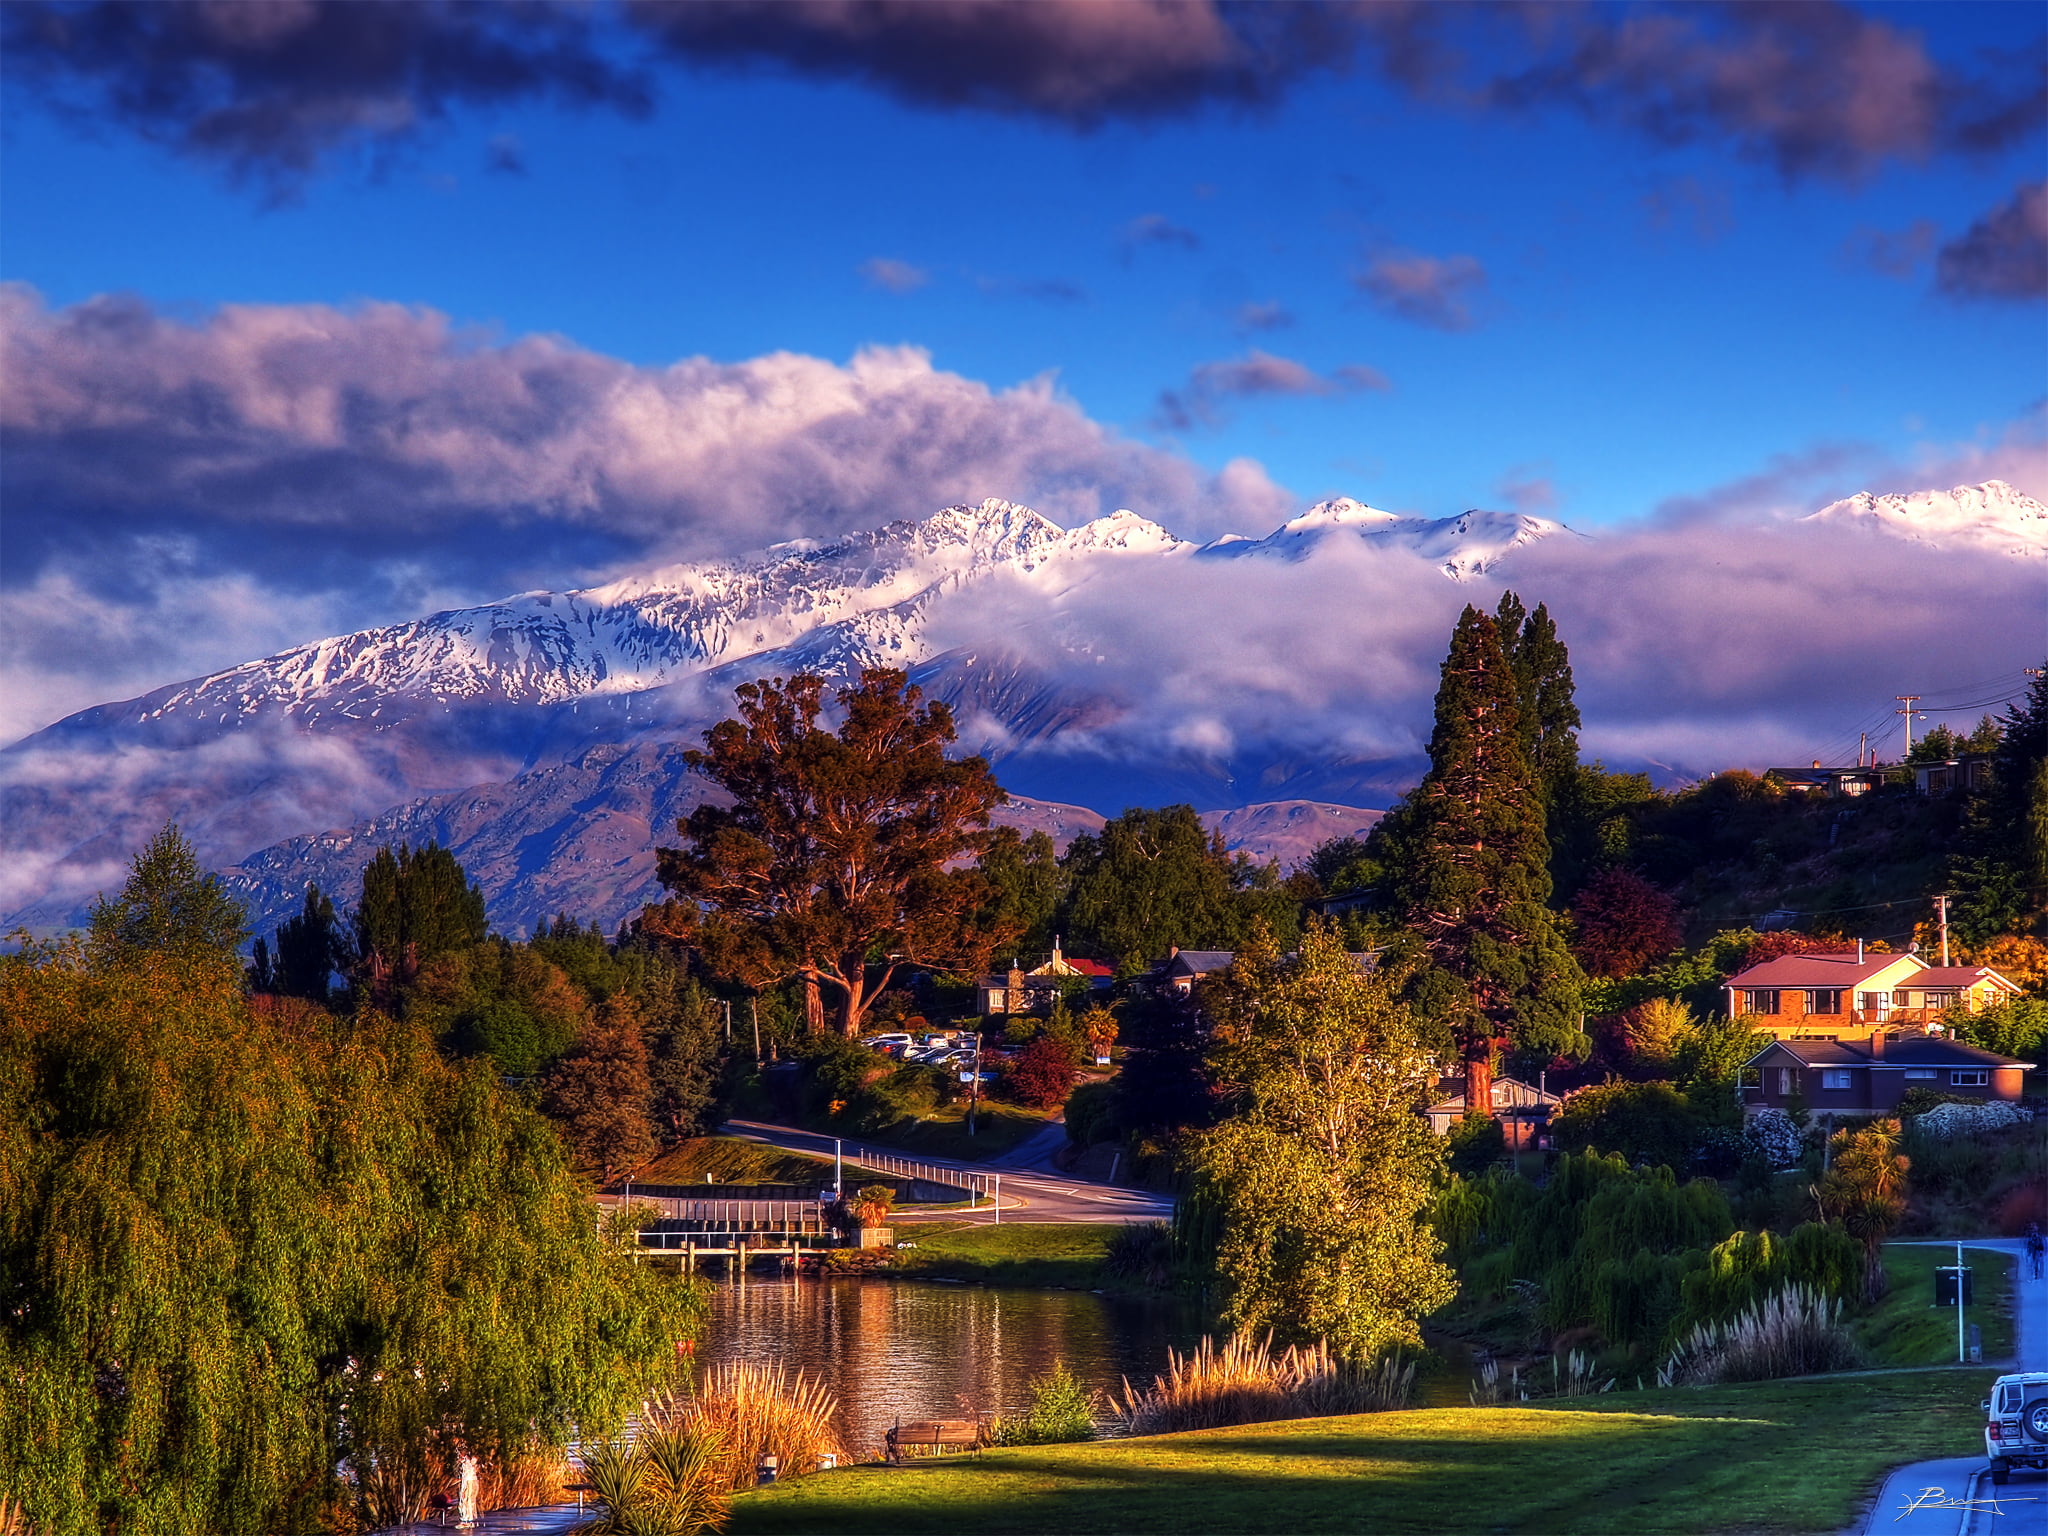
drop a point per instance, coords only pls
(910, 1349)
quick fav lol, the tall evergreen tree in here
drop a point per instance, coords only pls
(416, 904)
(1543, 678)
(310, 949)
(1999, 874)
(1474, 883)
(168, 906)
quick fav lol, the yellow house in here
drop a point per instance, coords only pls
(1845, 996)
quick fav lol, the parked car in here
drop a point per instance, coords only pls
(883, 1042)
(2016, 1423)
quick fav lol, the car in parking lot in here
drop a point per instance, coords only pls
(2016, 1423)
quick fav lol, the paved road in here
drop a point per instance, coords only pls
(1952, 1497)
(1032, 1189)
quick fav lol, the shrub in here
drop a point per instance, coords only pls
(1091, 1114)
(1774, 1137)
(1797, 1332)
(1062, 1411)
(1476, 1143)
(1945, 1122)
(1042, 1075)
(670, 1482)
(1246, 1383)
(1647, 1123)
(760, 1410)
(1142, 1251)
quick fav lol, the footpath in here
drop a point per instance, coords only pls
(1953, 1496)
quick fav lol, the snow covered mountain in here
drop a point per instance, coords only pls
(1993, 516)
(552, 714)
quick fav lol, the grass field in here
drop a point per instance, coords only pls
(1906, 1328)
(1066, 1254)
(730, 1160)
(1776, 1457)
(943, 1133)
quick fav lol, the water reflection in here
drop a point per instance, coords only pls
(913, 1350)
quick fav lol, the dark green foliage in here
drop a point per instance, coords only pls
(1164, 1083)
(1091, 1114)
(1153, 880)
(241, 1246)
(1594, 818)
(2000, 870)
(684, 1028)
(1062, 1411)
(2017, 1028)
(1026, 882)
(598, 1093)
(600, 967)
(1475, 1144)
(1341, 866)
(1543, 678)
(1606, 1247)
(1749, 1266)
(416, 905)
(168, 905)
(501, 1000)
(310, 949)
(1475, 879)
(1645, 1123)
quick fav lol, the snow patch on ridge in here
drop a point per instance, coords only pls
(1993, 515)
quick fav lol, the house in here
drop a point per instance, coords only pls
(1523, 1111)
(1848, 782)
(1862, 1077)
(1021, 991)
(1182, 968)
(1969, 772)
(1844, 995)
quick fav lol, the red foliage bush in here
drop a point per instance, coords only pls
(1042, 1075)
(1624, 923)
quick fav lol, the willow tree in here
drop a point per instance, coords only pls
(1474, 881)
(1322, 1170)
(843, 856)
(242, 1244)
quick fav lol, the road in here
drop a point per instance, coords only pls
(1033, 1190)
(1952, 1497)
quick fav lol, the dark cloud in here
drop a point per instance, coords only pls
(1078, 61)
(893, 276)
(1429, 290)
(269, 471)
(1157, 229)
(2004, 255)
(272, 88)
(1264, 315)
(1047, 290)
(1894, 252)
(1210, 385)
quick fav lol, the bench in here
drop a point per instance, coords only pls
(939, 1435)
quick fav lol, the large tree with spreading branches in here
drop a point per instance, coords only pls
(845, 855)
(1474, 883)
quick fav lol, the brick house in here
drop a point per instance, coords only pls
(1845, 996)
(1836, 1077)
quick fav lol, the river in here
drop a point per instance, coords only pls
(917, 1350)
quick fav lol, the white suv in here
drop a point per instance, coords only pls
(2016, 1423)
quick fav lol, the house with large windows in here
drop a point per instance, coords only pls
(1870, 1076)
(1847, 995)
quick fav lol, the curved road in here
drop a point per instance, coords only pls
(1033, 1190)
(1953, 1497)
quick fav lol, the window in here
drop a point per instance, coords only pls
(1921, 1074)
(1760, 1002)
(1784, 1082)
(1753, 1077)
(1835, 1078)
(1874, 1002)
(1977, 1078)
(1899, 997)
(2009, 1398)
(1824, 1000)
(1937, 999)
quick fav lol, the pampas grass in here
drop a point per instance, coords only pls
(1797, 1332)
(764, 1410)
(1244, 1382)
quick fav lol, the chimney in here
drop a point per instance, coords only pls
(1877, 1045)
(1816, 762)
(1859, 951)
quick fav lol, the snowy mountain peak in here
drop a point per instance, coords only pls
(1123, 530)
(1461, 547)
(1993, 515)
(1341, 512)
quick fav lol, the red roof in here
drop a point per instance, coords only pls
(1090, 967)
(1836, 970)
(1958, 976)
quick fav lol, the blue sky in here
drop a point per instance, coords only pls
(1628, 290)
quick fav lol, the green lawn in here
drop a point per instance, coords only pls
(1906, 1328)
(1066, 1254)
(732, 1160)
(943, 1133)
(1774, 1457)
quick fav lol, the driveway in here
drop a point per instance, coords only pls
(1952, 1497)
(1032, 1190)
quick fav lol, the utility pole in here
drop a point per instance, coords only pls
(1862, 747)
(754, 1005)
(728, 1020)
(1941, 907)
(1908, 700)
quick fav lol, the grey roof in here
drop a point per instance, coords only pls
(1900, 1051)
